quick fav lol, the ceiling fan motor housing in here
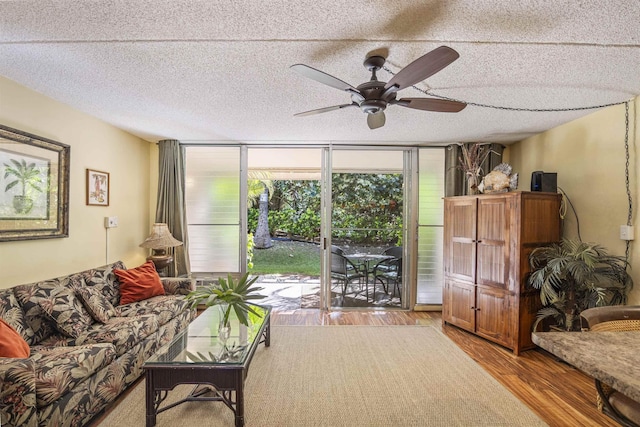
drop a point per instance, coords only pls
(373, 102)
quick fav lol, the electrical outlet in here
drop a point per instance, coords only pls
(110, 221)
(626, 232)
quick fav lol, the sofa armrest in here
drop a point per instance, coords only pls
(18, 392)
(178, 285)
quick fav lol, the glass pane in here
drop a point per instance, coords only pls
(213, 185)
(431, 187)
(430, 259)
(366, 220)
(430, 223)
(214, 248)
(213, 208)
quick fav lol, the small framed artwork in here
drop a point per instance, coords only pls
(97, 188)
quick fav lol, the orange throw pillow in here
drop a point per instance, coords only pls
(11, 343)
(140, 283)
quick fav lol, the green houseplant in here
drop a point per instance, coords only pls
(573, 276)
(230, 294)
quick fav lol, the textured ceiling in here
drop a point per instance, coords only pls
(219, 70)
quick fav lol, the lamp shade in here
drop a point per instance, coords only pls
(160, 238)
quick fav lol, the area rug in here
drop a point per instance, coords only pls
(351, 376)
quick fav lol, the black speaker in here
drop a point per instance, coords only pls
(544, 181)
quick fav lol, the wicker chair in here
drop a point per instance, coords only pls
(614, 319)
(343, 271)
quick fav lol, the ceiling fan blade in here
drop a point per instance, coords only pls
(323, 78)
(431, 104)
(325, 109)
(376, 120)
(423, 67)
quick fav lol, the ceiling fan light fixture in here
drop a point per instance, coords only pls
(372, 106)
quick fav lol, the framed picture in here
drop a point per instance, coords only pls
(97, 188)
(34, 186)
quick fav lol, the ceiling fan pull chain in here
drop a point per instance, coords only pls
(499, 107)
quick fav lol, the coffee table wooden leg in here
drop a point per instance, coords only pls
(240, 399)
(267, 334)
(150, 398)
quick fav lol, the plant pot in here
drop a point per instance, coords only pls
(22, 204)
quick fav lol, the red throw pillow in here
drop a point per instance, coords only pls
(11, 343)
(140, 283)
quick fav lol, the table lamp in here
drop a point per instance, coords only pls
(159, 241)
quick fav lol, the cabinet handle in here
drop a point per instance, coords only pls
(473, 308)
(477, 309)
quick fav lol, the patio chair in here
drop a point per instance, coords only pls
(343, 270)
(616, 318)
(389, 271)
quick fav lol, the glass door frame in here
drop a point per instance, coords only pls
(409, 222)
(410, 211)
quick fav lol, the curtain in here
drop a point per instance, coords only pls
(170, 207)
(455, 183)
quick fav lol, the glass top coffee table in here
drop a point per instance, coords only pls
(198, 355)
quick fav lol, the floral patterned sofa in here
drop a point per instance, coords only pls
(85, 346)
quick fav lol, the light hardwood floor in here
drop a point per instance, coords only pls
(558, 393)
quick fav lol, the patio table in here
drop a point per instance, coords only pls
(364, 260)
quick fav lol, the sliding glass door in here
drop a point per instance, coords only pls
(371, 218)
(366, 217)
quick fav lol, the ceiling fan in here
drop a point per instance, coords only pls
(374, 96)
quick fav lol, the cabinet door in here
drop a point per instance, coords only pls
(492, 266)
(459, 304)
(493, 315)
(459, 238)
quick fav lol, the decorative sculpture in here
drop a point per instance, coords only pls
(499, 180)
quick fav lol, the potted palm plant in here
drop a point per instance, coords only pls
(229, 294)
(573, 276)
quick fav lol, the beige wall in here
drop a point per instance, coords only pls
(589, 156)
(96, 145)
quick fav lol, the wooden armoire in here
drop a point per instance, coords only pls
(487, 242)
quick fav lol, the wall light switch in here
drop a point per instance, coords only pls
(626, 232)
(110, 221)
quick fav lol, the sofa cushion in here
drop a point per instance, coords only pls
(166, 307)
(122, 332)
(140, 283)
(104, 279)
(60, 369)
(11, 343)
(11, 312)
(98, 306)
(29, 295)
(66, 311)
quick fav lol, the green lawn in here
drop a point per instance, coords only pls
(286, 257)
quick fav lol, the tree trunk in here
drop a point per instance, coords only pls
(262, 238)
